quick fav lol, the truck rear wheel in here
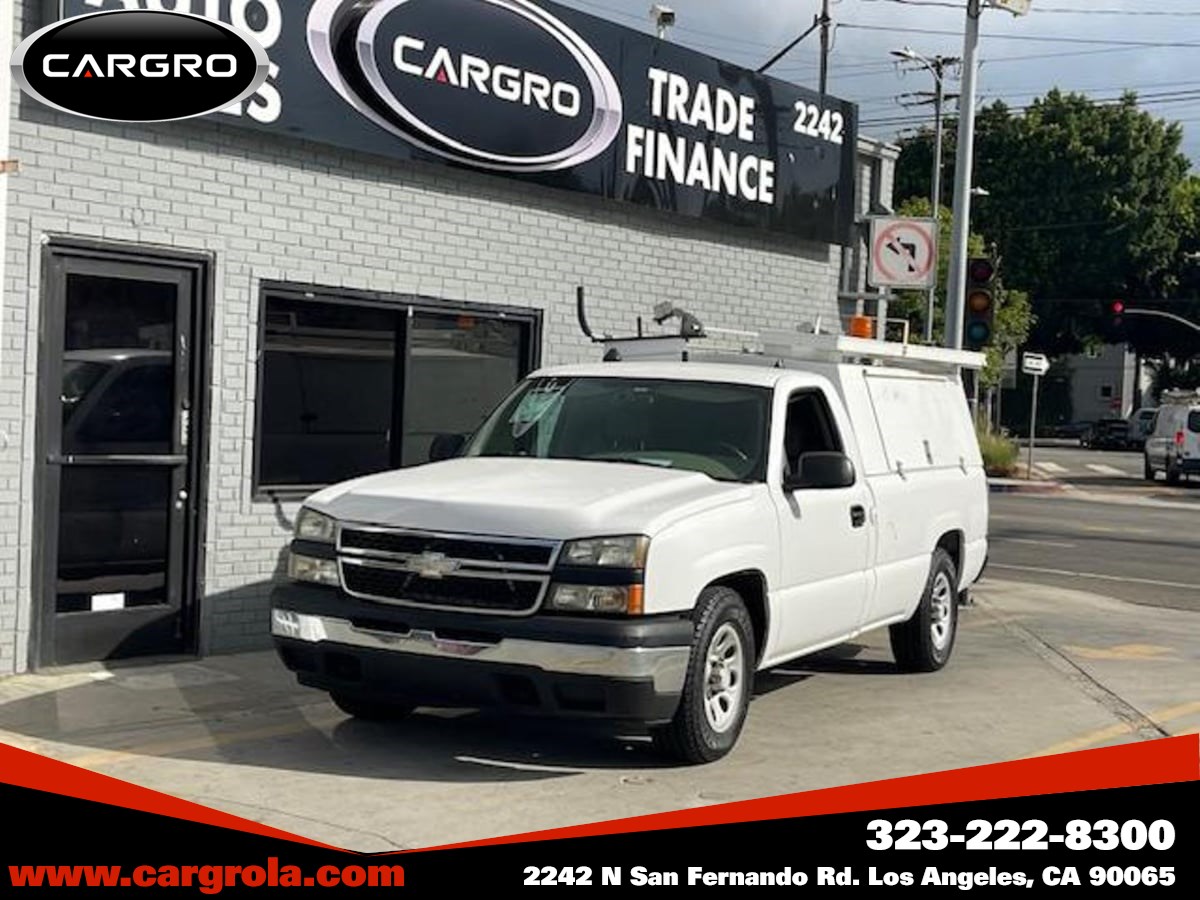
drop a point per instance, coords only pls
(370, 710)
(719, 681)
(924, 642)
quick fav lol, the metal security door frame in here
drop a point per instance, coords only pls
(59, 255)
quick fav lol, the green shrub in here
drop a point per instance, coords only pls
(999, 454)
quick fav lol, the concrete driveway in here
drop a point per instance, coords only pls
(1037, 670)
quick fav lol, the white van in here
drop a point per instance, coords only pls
(1173, 446)
(634, 539)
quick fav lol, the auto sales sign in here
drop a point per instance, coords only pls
(543, 93)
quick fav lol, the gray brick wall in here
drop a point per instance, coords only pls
(271, 208)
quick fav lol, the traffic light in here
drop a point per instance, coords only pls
(1112, 322)
(978, 324)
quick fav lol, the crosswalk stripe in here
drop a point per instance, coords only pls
(1052, 468)
(1101, 469)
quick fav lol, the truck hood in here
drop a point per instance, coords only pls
(540, 498)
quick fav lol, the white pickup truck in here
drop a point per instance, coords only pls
(633, 540)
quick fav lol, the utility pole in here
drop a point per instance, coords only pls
(825, 23)
(939, 69)
(956, 281)
(937, 65)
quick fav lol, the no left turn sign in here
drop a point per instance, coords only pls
(903, 253)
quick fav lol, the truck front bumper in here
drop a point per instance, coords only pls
(629, 670)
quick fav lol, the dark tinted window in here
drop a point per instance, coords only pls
(339, 399)
(327, 392)
(461, 367)
(131, 411)
(1194, 421)
(809, 429)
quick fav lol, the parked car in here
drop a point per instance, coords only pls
(1174, 446)
(1141, 426)
(1076, 431)
(634, 540)
(1110, 434)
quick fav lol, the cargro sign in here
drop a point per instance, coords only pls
(544, 93)
(139, 66)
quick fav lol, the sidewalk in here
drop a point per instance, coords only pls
(1036, 670)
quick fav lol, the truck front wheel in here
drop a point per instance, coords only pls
(370, 710)
(924, 642)
(719, 681)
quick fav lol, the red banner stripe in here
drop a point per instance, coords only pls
(41, 773)
(1165, 761)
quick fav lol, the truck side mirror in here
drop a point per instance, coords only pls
(821, 472)
(446, 446)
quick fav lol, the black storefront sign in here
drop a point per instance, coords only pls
(539, 92)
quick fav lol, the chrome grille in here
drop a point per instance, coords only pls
(500, 576)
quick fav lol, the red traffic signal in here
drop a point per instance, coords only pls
(981, 270)
(1118, 307)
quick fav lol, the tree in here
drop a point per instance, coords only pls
(1084, 205)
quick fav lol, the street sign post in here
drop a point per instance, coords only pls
(1034, 364)
(1037, 365)
(903, 252)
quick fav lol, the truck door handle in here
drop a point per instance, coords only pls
(858, 516)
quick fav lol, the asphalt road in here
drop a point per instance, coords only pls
(1140, 552)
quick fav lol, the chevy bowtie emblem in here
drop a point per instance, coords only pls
(433, 565)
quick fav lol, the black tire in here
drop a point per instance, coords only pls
(369, 709)
(691, 737)
(915, 643)
(1173, 473)
(1147, 468)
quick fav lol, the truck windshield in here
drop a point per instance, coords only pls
(719, 430)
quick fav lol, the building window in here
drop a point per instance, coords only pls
(350, 385)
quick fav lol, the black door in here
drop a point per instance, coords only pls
(116, 411)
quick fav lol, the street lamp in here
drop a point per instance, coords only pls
(937, 66)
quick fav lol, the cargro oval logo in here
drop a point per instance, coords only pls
(139, 66)
(496, 84)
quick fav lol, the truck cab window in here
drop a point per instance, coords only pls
(809, 429)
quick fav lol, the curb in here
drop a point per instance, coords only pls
(1019, 486)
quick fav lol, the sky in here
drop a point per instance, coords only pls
(1096, 47)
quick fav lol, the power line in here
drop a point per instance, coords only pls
(1183, 97)
(1041, 10)
(1045, 39)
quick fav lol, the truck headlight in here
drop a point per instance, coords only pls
(314, 526)
(313, 570)
(624, 600)
(627, 552)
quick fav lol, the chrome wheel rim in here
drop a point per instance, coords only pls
(941, 610)
(724, 678)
